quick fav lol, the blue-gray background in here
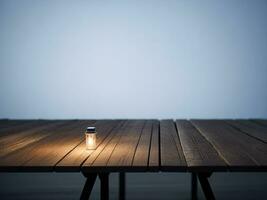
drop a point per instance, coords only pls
(133, 59)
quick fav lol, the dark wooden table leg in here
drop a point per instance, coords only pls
(104, 185)
(122, 185)
(203, 179)
(88, 186)
(194, 186)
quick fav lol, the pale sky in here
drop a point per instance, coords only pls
(133, 59)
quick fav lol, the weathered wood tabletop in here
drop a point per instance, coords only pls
(134, 145)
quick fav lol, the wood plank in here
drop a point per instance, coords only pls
(13, 142)
(154, 148)
(119, 153)
(200, 155)
(240, 151)
(45, 153)
(134, 145)
(123, 154)
(250, 128)
(10, 123)
(34, 126)
(78, 155)
(262, 122)
(98, 161)
(68, 141)
(141, 156)
(171, 153)
(21, 126)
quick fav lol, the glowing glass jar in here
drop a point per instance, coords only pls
(90, 138)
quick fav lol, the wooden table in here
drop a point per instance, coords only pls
(200, 147)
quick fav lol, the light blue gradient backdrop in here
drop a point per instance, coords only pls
(133, 59)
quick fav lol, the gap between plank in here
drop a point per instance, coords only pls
(120, 125)
(151, 132)
(114, 145)
(176, 130)
(70, 150)
(138, 141)
(225, 160)
(241, 131)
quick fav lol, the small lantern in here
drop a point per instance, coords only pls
(90, 136)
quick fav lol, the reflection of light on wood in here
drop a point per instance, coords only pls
(90, 138)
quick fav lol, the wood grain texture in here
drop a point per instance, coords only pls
(21, 126)
(250, 128)
(98, 161)
(133, 145)
(123, 153)
(141, 156)
(13, 142)
(200, 155)
(171, 153)
(45, 153)
(74, 160)
(154, 154)
(239, 150)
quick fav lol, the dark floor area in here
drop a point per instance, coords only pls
(152, 186)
